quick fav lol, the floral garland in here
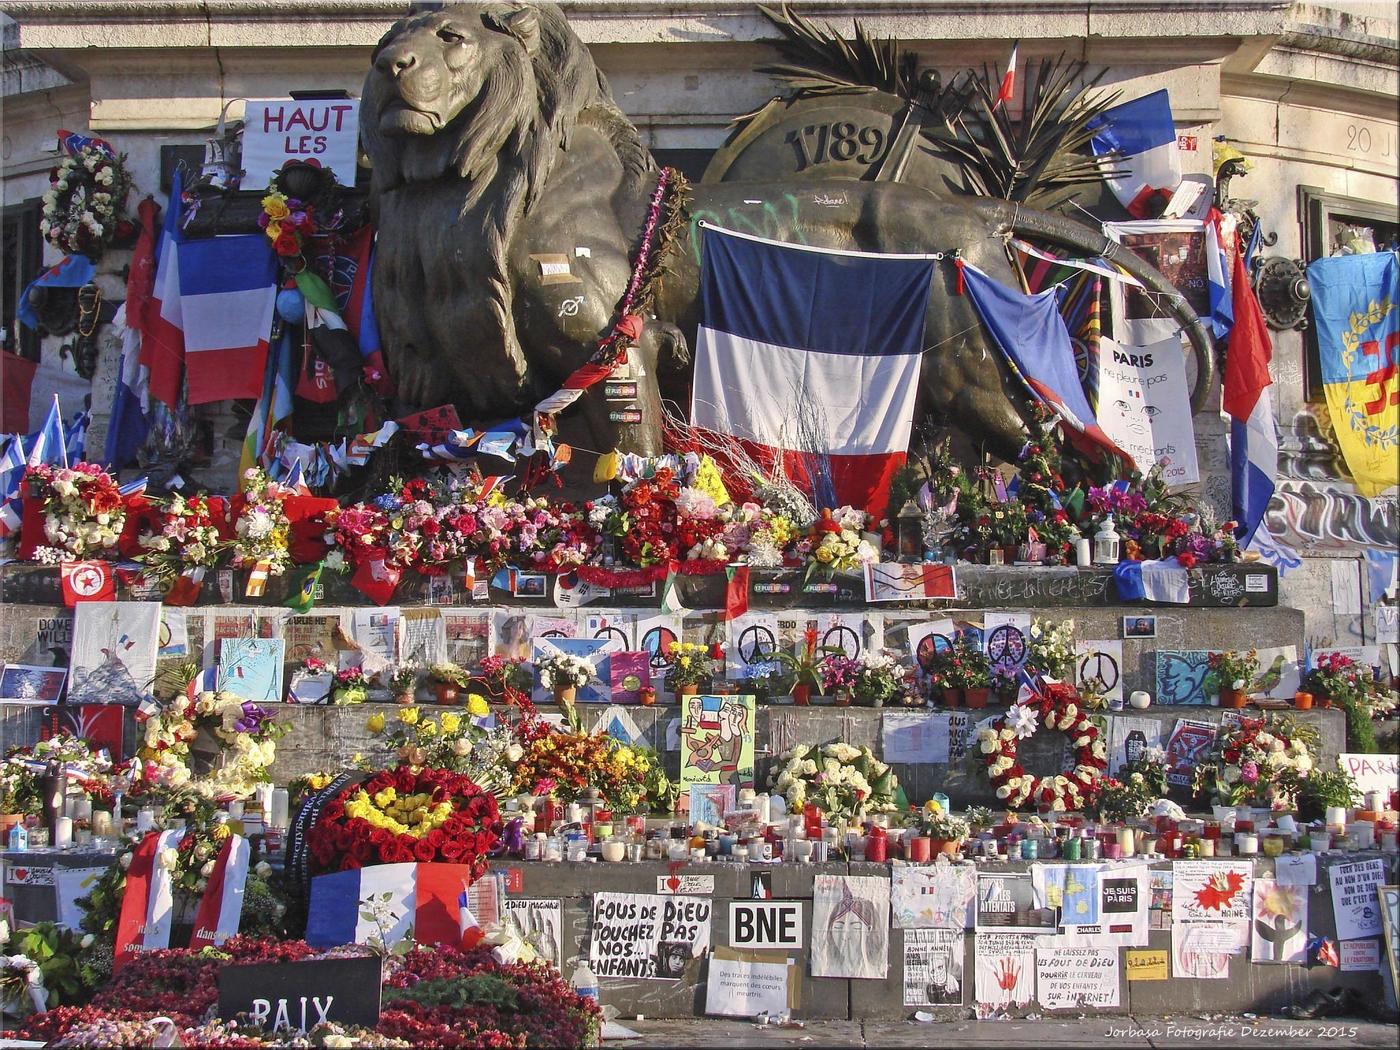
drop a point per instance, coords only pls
(846, 783)
(83, 509)
(1058, 707)
(86, 194)
(405, 815)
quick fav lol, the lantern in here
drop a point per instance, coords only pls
(1106, 543)
(909, 530)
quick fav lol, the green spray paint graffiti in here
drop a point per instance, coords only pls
(762, 219)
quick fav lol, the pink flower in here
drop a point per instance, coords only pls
(1249, 773)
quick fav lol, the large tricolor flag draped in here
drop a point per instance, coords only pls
(812, 355)
(1356, 306)
(148, 905)
(228, 290)
(1033, 336)
(1142, 137)
(388, 902)
(1245, 401)
(160, 324)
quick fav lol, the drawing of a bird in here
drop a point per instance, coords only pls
(1269, 678)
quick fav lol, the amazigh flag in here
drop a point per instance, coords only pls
(222, 904)
(1356, 307)
(784, 325)
(1138, 141)
(1033, 336)
(228, 291)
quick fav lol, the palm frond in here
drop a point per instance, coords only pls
(817, 60)
(1038, 157)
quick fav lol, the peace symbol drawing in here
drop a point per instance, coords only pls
(756, 644)
(929, 645)
(658, 642)
(612, 634)
(1100, 667)
(844, 638)
(1006, 646)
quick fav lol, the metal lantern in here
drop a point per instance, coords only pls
(909, 530)
(1106, 543)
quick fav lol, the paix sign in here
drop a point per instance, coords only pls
(324, 132)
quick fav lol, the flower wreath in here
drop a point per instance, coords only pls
(1058, 707)
(86, 194)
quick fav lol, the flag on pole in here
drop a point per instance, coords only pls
(228, 291)
(1033, 336)
(161, 323)
(1008, 81)
(274, 407)
(1141, 136)
(784, 325)
(50, 444)
(1245, 401)
(1356, 310)
(130, 422)
(1220, 231)
(12, 465)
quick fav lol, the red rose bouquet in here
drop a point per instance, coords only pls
(404, 815)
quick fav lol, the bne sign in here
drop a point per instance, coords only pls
(323, 132)
(765, 924)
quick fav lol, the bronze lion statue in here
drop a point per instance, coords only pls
(510, 191)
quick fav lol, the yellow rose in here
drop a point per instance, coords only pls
(275, 205)
(451, 721)
(222, 831)
(375, 724)
(409, 716)
(477, 706)
(428, 729)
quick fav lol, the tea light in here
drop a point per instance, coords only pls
(1246, 843)
(1286, 823)
(63, 832)
(102, 824)
(802, 851)
(81, 836)
(1362, 833)
(1112, 850)
(1320, 841)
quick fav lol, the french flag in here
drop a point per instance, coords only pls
(161, 324)
(12, 466)
(1032, 334)
(1143, 135)
(1246, 403)
(401, 900)
(221, 907)
(787, 325)
(228, 290)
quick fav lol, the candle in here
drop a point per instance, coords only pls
(1207, 847)
(145, 819)
(1112, 850)
(1083, 552)
(1125, 841)
(802, 850)
(81, 809)
(1336, 816)
(82, 836)
(102, 824)
(614, 850)
(63, 831)
(919, 849)
(740, 854)
(279, 812)
(1273, 845)
(1388, 841)
(1246, 843)
(235, 810)
(1363, 833)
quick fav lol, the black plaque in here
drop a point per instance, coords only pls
(299, 995)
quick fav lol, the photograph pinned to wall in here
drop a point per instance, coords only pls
(1139, 626)
(598, 689)
(510, 634)
(114, 652)
(1006, 904)
(850, 927)
(1181, 676)
(1279, 676)
(1280, 930)
(251, 668)
(936, 896)
(630, 672)
(908, 581)
(529, 585)
(1159, 916)
(468, 634)
(1098, 668)
(1177, 248)
(422, 637)
(1006, 641)
(1189, 741)
(23, 684)
(933, 967)
(101, 725)
(1004, 973)
(716, 737)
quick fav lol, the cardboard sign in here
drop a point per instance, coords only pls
(324, 133)
(1075, 978)
(1142, 390)
(745, 984)
(765, 924)
(1147, 965)
(1354, 902)
(648, 936)
(300, 995)
(1372, 772)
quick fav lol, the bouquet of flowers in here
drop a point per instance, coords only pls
(451, 673)
(22, 772)
(1138, 784)
(351, 686)
(86, 194)
(688, 664)
(1052, 649)
(846, 783)
(937, 823)
(879, 677)
(1337, 677)
(506, 679)
(242, 738)
(451, 741)
(836, 545)
(561, 671)
(83, 511)
(286, 221)
(1232, 670)
(404, 815)
(563, 765)
(261, 527)
(838, 672)
(189, 537)
(1259, 761)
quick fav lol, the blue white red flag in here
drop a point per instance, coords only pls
(50, 444)
(228, 291)
(12, 464)
(421, 900)
(1142, 134)
(221, 907)
(130, 422)
(786, 325)
(1245, 401)
(1220, 232)
(161, 324)
(1033, 336)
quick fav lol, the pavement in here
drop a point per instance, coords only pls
(1114, 1030)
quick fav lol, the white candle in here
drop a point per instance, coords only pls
(145, 819)
(802, 850)
(81, 809)
(1125, 841)
(102, 824)
(1336, 816)
(281, 802)
(1246, 843)
(614, 850)
(1362, 833)
(63, 832)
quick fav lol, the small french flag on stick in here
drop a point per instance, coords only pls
(1008, 81)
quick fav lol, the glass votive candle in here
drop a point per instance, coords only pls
(1246, 843)
(613, 850)
(1273, 845)
(102, 823)
(1388, 841)
(1030, 849)
(920, 847)
(1207, 847)
(1071, 849)
(740, 853)
(1112, 850)
(1125, 842)
(1363, 833)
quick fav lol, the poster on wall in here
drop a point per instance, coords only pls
(1181, 676)
(598, 688)
(1125, 894)
(251, 668)
(468, 635)
(1202, 950)
(541, 924)
(1143, 406)
(935, 896)
(646, 935)
(1177, 248)
(751, 646)
(24, 684)
(1004, 970)
(422, 637)
(1130, 739)
(749, 983)
(850, 927)
(1189, 741)
(717, 740)
(1372, 772)
(1006, 904)
(114, 652)
(933, 968)
(852, 633)
(1076, 978)
(914, 736)
(1279, 933)
(1006, 641)
(324, 133)
(1098, 668)
(1354, 902)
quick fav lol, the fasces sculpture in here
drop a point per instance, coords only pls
(510, 191)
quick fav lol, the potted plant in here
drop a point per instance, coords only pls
(945, 831)
(351, 686)
(401, 683)
(976, 673)
(1128, 796)
(838, 673)
(689, 665)
(449, 679)
(879, 678)
(804, 669)
(1232, 672)
(944, 670)
(1322, 790)
(1335, 678)
(563, 674)
(505, 679)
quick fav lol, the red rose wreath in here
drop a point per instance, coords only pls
(1058, 707)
